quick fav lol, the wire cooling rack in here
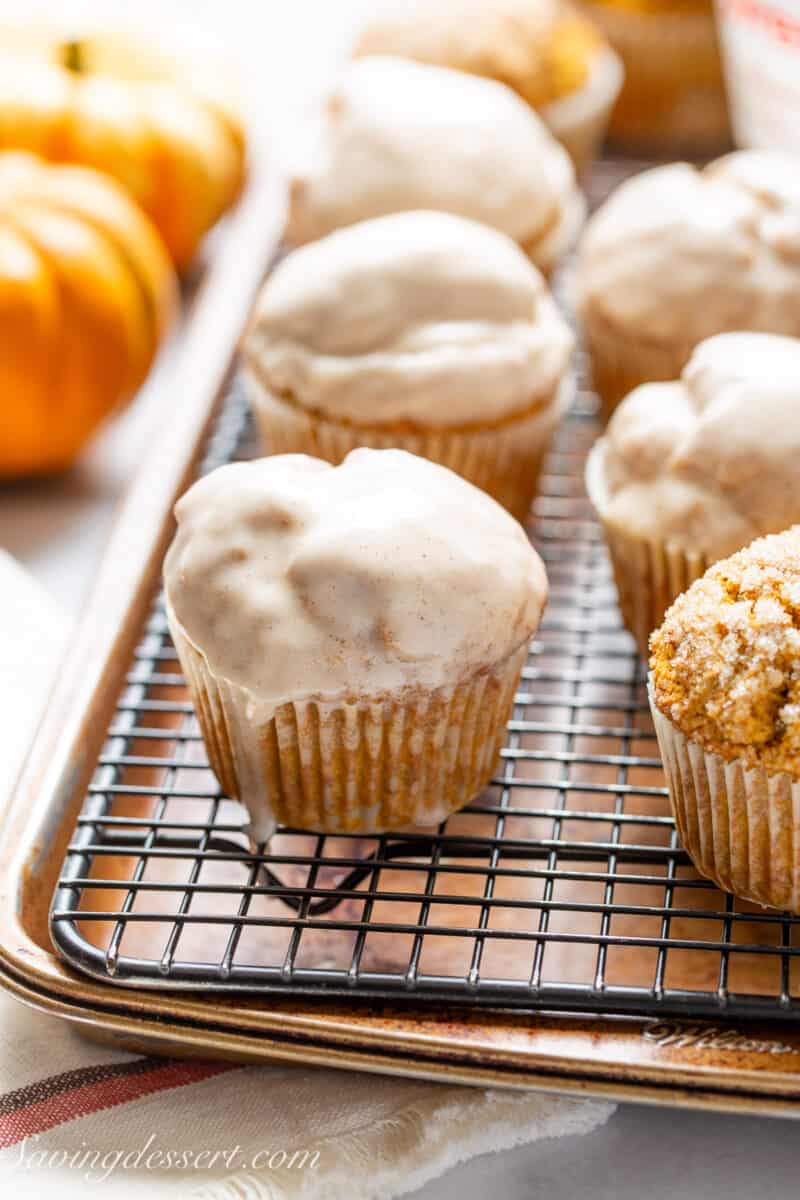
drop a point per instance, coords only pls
(562, 886)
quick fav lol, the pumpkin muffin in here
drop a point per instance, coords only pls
(396, 135)
(555, 58)
(725, 696)
(677, 255)
(673, 96)
(690, 471)
(352, 636)
(421, 331)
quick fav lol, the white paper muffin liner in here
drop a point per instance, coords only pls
(649, 573)
(740, 825)
(503, 460)
(356, 765)
(580, 120)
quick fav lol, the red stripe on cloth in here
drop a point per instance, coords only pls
(107, 1093)
(69, 1081)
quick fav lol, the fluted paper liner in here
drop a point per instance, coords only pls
(504, 460)
(620, 363)
(649, 573)
(740, 825)
(580, 119)
(359, 765)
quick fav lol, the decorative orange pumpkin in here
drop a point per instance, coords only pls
(86, 292)
(160, 126)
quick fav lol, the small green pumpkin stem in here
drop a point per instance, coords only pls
(72, 56)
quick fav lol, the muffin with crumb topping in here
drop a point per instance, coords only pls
(725, 697)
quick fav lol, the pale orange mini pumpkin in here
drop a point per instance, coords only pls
(161, 126)
(86, 292)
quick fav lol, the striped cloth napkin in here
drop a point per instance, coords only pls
(78, 1119)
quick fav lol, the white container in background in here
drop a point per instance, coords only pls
(760, 42)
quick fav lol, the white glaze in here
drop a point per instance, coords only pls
(678, 255)
(297, 579)
(398, 135)
(710, 461)
(418, 316)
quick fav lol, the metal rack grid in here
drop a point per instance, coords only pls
(563, 886)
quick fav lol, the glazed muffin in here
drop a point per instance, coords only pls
(673, 96)
(725, 697)
(690, 471)
(352, 636)
(545, 50)
(677, 255)
(398, 135)
(421, 331)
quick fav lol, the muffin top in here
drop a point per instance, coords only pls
(297, 579)
(678, 254)
(726, 661)
(708, 462)
(397, 135)
(416, 317)
(543, 49)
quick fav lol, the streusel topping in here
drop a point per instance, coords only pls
(726, 661)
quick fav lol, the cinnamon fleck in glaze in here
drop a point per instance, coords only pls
(726, 661)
